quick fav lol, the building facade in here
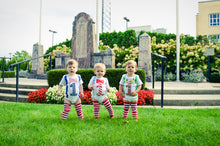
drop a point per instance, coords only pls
(147, 28)
(106, 15)
(207, 20)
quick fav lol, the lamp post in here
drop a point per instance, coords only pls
(127, 20)
(53, 32)
(97, 27)
(177, 43)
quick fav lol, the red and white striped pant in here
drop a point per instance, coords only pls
(107, 105)
(133, 108)
(67, 108)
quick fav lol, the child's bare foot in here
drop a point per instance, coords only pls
(112, 116)
(125, 121)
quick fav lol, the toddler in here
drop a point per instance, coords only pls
(74, 87)
(129, 86)
(100, 86)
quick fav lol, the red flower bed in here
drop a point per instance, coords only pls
(38, 96)
(87, 97)
(144, 97)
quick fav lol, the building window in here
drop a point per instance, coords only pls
(214, 19)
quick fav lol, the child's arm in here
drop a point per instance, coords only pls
(59, 89)
(81, 91)
(136, 91)
(121, 90)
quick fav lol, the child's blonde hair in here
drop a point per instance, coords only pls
(71, 62)
(101, 65)
(131, 62)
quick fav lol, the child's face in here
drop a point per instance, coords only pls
(72, 69)
(130, 68)
(99, 72)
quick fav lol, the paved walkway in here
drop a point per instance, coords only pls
(167, 85)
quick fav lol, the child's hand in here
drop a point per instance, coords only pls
(91, 87)
(133, 93)
(82, 96)
(122, 94)
(58, 93)
(108, 89)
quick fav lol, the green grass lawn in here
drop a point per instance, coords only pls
(41, 124)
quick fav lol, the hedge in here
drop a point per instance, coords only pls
(113, 75)
(215, 77)
(7, 74)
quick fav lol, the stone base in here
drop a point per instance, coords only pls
(37, 76)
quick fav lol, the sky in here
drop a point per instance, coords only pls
(20, 19)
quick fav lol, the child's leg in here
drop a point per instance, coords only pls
(96, 106)
(79, 112)
(108, 106)
(134, 110)
(66, 110)
(126, 109)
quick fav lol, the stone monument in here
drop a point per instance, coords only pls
(37, 69)
(83, 40)
(144, 56)
(61, 60)
(107, 57)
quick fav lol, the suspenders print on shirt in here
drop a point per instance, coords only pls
(100, 82)
(129, 83)
(129, 87)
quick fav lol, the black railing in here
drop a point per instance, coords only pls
(17, 70)
(162, 74)
(3, 68)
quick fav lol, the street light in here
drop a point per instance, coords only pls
(53, 32)
(127, 20)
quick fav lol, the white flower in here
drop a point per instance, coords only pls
(112, 95)
(51, 95)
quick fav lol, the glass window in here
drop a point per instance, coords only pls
(214, 19)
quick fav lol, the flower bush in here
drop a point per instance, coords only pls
(145, 97)
(193, 76)
(51, 95)
(38, 96)
(112, 95)
(87, 97)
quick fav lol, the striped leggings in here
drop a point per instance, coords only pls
(67, 108)
(107, 105)
(133, 108)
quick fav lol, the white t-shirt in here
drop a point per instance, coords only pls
(130, 84)
(100, 87)
(72, 86)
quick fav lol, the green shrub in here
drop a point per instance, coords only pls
(193, 76)
(113, 75)
(215, 77)
(54, 76)
(8, 74)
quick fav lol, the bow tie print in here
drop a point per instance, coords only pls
(100, 81)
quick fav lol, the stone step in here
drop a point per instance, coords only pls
(188, 100)
(12, 97)
(187, 91)
(25, 86)
(21, 91)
